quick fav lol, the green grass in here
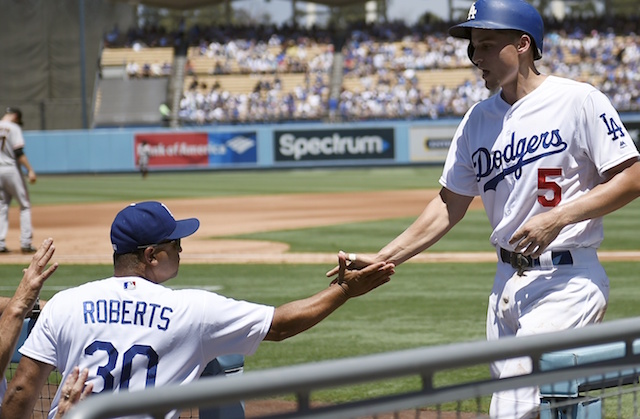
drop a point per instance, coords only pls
(470, 235)
(424, 305)
(57, 189)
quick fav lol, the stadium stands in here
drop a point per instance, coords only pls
(262, 75)
(123, 58)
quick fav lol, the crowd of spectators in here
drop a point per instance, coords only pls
(147, 70)
(386, 61)
(267, 101)
(245, 56)
(609, 62)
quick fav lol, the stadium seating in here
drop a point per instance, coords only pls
(375, 59)
(121, 57)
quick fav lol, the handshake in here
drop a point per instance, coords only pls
(358, 277)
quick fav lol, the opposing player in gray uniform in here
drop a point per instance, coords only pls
(144, 151)
(12, 182)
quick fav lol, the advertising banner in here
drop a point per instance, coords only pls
(430, 144)
(197, 148)
(336, 144)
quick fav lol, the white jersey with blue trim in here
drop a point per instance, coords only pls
(548, 148)
(134, 334)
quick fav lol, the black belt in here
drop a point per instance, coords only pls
(521, 262)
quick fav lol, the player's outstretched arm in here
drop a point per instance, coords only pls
(298, 316)
(23, 300)
(438, 217)
(539, 231)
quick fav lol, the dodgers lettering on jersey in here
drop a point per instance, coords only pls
(522, 151)
(128, 312)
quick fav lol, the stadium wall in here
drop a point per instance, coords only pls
(248, 146)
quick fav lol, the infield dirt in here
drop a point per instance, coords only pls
(81, 231)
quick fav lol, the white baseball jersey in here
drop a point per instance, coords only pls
(10, 138)
(133, 334)
(550, 147)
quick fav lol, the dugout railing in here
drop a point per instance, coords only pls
(604, 379)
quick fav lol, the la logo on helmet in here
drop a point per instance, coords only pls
(472, 12)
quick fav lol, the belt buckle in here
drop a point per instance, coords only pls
(520, 262)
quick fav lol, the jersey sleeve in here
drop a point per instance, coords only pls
(458, 175)
(16, 138)
(607, 140)
(41, 342)
(232, 326)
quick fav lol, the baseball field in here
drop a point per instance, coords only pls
(270, 236)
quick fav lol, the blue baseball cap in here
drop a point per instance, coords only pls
(146, 223)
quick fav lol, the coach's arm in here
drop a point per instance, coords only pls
(298, 316)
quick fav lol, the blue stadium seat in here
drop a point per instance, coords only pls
(227, 365)
(23, 336)
(568, 392)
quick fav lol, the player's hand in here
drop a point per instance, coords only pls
(356, 282)
(73, 391)
(32, 176)
(34, 276)
(536, 234)
(353, 261)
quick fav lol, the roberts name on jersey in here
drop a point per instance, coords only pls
(129, 312)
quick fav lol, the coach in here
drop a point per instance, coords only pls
(131, 332)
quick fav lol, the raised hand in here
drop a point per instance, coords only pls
(34, 276)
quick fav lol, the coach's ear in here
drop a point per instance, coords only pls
(149, 256)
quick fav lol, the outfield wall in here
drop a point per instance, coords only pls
(248, 146)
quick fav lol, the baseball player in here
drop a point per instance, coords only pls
(538, 143)
(12, 183)
(144, 151)
(131, 332)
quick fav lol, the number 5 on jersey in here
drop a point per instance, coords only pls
(545, 184)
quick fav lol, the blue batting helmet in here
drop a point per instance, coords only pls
(502, 14)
